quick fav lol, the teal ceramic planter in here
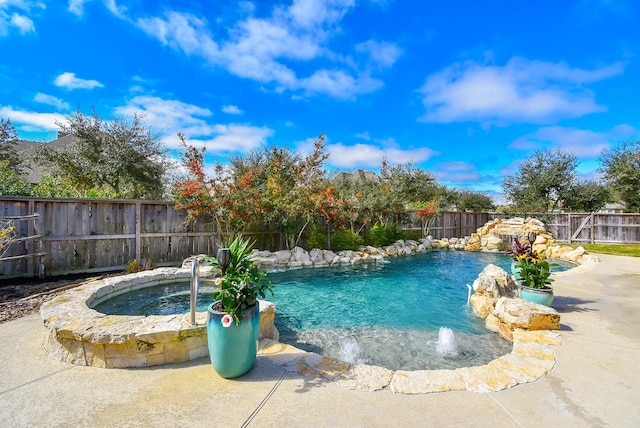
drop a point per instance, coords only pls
(233, 349)
(544, 296)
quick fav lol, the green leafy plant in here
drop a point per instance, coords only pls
(346, 239)
(535, 273)
(533, 270)
(317, 238)
(381, 235)
(242, 282)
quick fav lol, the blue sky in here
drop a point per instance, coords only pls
(464, 89)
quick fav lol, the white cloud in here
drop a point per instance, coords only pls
(382, 54)
(370, 155)
(31, 121)
(457, 172)
(24, 24)
(10, 18)
(236, 138)
(314, 13)
(51, 100)
(119, 11)
(231, 109)
(70, 81)
(582, 142)
(168, 116)
(264, 49)
(77, 6)
(520, 91)
(339, 84)
(367, 155)
(171, 116)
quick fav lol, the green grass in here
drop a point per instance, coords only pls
(632, 250)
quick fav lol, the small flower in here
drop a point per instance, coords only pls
(218, 282)
(227, 320)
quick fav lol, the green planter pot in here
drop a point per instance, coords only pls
(544, 296)
(233, 349)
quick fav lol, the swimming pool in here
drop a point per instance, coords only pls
(387, 314)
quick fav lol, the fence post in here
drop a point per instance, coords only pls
(29, 247)
(570, 229)
(593, 229)
(138, 232)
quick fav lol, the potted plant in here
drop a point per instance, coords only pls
(532, 272)
(233, 323)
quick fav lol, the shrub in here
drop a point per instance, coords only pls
(133, 266)
(380, 235)
(346, 239)
(317, 238)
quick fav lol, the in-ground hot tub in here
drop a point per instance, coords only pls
(80, 335)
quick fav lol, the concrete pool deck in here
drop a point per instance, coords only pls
(595, 381)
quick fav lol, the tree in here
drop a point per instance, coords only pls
(116, 157)
(408, 182)
(12, 182)
(587, 196)
(543, 180)
(271, 186)
(621, 170)
(8, 141)
(467, 200)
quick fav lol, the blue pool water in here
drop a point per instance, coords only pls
(387, 314)
(390, 314)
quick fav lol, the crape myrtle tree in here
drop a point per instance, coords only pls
(542, 181)
(290, 186)
(115, 157)
(271, 186)
(620, 167)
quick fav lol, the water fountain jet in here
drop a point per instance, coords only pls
(447, 344)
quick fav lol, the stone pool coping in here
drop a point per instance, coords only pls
(531, 358)
(79, 335)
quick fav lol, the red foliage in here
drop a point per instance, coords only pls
(430, 209)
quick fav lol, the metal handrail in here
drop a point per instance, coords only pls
(195, 284)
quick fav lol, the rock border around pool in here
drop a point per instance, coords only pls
(79, 335)
(531, 358)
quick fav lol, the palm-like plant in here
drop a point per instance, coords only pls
(242, 282)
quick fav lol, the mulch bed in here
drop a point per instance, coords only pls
(24, 296)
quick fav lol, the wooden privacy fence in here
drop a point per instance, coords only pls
(27, 236)
(565, 227)
(81, 235)
(594, 228)
(448, 224)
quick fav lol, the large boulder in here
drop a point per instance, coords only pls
(492, 283)
(515, 313)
